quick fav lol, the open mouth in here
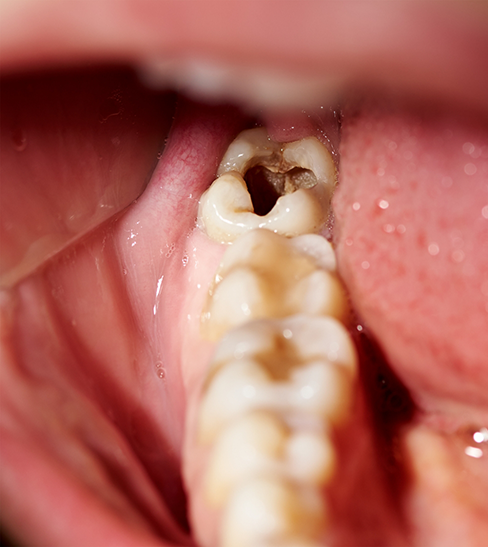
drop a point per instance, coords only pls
(233, 320)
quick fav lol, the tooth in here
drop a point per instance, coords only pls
(307, 337)
(319, 294)
(250, 148)
(301, 368)
(226, 209)
(232, 391)
(260, 444)
(311, 457)
(248, 446)
(254, 87)
(271, 511)
(267, 275)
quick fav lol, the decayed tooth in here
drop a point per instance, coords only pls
(250, 148)
(271, 511)
(277, 371)
(226, 210)
(267, 275)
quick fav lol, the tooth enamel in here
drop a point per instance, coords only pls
(259, 444)
(267, 275)
(226, 209)
(236, 301)
(231, 391)
(251, 147)
(318, 294)
(254, 87)
(311, 457)
(250, 445)
(297, 376)
(271, 511)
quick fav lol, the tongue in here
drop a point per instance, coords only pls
(412, 232)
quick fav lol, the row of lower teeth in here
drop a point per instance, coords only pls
(283, 372)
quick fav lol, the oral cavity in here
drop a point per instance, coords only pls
(283, 187)
(283, 373)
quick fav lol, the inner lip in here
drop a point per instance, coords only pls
(389, 400)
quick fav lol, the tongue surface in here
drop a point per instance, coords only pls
(412, 232)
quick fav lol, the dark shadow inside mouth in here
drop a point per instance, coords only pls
(391, 409)
(266, 186)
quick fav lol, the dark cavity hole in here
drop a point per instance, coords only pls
(265, 186)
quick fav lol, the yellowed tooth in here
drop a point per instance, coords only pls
(306, 338)
(271, 511)
(251, 147)
(267, 275)
(259, 444)
(312, 385)
(251, 445)
(232, 391)
(226, 210)
(310, 457)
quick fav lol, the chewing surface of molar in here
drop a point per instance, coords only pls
(267, 275)
(282, 367)
(226, 209)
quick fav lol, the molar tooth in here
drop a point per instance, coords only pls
(251, 147)
(319, 294)
(239, 299)
(321, 338)
(271, 511)
(251, 445)
(267, 275)
(321, 389)
(308, 153)
(232, 391)
(260, 444)
(301, 368)
(226, 210)
(311, 457)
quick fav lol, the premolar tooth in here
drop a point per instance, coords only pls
(267, 275)
(271, 511)
(226, 210)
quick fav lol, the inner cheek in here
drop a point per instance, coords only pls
(411, 226)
